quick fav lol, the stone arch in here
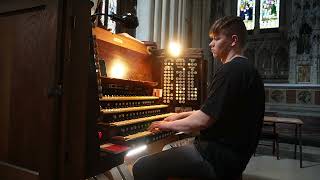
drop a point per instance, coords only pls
(304, 39)
(264, 61)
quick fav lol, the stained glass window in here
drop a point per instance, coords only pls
(269, 14)
(246, 10)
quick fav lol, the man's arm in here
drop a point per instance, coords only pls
(198, 120)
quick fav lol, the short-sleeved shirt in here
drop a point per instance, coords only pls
(236, 103)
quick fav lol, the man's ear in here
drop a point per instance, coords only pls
(234, 40)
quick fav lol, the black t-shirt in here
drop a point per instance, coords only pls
(236, 103)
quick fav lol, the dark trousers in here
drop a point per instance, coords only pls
(179, 162)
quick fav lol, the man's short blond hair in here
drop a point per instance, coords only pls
(230, 25)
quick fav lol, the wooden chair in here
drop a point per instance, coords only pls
(269, 132)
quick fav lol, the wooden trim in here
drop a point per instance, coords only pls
(9, 171)
(10, 6)
(106, 80)
(282, 120)
(132, 109)
(140, 120)
(122, 40)
(128, 98)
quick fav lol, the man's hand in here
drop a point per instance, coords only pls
(158, 126)
(173, 117)
(177, 116)
(188, 122)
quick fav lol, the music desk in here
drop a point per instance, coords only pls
(298, 125)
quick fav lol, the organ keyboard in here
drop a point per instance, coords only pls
(132, 109)
(124, 120)
(145, 119)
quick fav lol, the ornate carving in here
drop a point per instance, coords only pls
(304, 39)
(304, 97)
(277, 96)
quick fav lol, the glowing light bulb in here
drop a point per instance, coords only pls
(118, 70)
(174, 49)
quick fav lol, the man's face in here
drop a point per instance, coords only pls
(220, 46)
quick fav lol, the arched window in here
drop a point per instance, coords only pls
(264, 64)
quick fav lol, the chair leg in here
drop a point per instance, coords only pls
(295, 142)
(273, 147)
(277, 148)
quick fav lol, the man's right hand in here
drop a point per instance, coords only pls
(178, 116)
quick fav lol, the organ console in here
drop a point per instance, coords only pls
(129, 78)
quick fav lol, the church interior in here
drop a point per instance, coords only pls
(81, 82)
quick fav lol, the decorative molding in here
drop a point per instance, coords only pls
(299, 99)
(305, 97)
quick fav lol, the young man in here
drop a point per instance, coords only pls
(229, 121)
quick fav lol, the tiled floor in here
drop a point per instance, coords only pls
(286, 151)
(269, 168)
(264, 166)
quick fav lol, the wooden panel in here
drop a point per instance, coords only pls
(8, 171)
(10, 6)
(123, 53)
(136, 66)
(291, 96)
(78, 83)
(120, 40)
(317, 97)
(5, 69)
(28, 50)
(26, 87)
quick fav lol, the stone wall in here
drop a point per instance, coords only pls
(297, 101)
